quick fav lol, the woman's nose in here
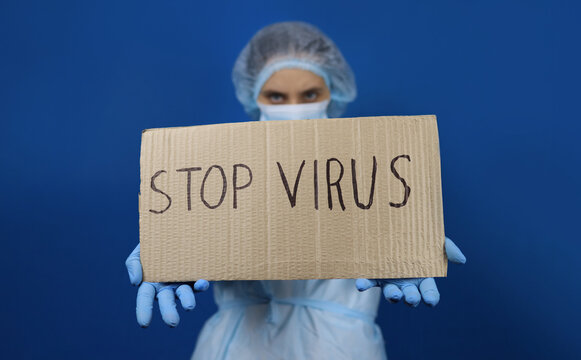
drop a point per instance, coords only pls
(294, 100)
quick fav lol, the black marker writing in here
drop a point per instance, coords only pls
(154, 188)
(223, 195)
(407, 189)
(292, 197)
(235, 181)
(335, 183)
(354, 180)
(189, 185)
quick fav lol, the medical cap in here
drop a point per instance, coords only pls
(292, 45)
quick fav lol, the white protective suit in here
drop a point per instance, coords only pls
(293, 319)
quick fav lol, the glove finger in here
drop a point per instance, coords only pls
(144, 304)
(201, 285)
(453, 252)
(430, 292)
(411, 295)
(167, 306)
(133, 265)
(366, 284)
(392, 293)
(186, 296)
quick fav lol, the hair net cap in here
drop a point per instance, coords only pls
(292, 45)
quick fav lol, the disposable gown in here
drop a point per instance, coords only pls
(293, 319)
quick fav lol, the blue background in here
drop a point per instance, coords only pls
(80, 80)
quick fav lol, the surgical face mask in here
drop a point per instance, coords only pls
(317, 110)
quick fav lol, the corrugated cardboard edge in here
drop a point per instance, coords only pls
(441, 195)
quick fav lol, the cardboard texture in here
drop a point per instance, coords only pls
(299, 199)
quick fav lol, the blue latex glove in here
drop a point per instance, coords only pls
(166, 294)
(413, 290)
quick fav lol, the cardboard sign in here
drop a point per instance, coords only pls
(299, 199)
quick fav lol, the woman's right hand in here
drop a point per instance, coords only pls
(165, 293)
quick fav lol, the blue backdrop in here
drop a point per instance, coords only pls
(80, 80)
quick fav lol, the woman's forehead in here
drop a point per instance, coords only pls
(293, 79)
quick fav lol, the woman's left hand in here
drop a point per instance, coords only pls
(413, 290)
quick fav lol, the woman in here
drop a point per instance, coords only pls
(289, 71)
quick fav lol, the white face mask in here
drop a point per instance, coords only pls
(317, 110)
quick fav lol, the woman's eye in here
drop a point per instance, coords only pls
(275, 98)
(311, 95)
